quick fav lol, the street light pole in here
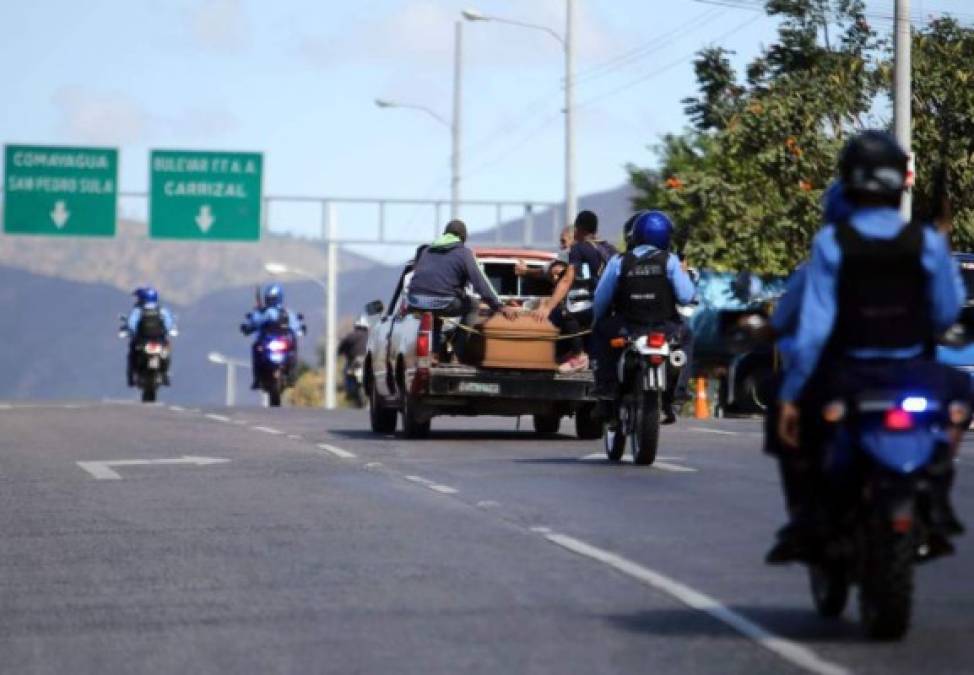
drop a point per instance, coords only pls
(456, 127)
(567, 42)
(571, 200)
(902, 94)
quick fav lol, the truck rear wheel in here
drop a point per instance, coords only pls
(381, 418)
(412, 427)
(547, 424)
(588, 423)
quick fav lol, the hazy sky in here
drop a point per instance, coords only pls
(296, 80)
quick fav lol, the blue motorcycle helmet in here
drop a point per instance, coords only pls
(653, 228)
(273, 295)
(146, 295)
(835, 207)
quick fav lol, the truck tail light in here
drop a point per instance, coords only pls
(424, 341)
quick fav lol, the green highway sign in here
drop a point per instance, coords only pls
(205, 195)
(60, 191)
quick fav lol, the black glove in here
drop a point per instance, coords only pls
(245, 329)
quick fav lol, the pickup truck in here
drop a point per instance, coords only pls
(404, 377)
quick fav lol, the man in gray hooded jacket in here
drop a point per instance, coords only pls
(441, 274)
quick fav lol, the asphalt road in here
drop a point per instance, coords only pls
(294, 541)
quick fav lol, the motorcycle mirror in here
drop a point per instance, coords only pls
(300, 316)
(374, 308)
(174, 332)
(122, 334)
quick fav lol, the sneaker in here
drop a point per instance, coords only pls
(574, 364)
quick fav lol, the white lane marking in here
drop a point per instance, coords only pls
(541, 530)
(627, 459)
(488, 504)
(216, 418)
(268, 430)
(338, 452)
(177, 408)
(788, 650)
(294, 437)
(102, 470)
(6, 406)
(436, 487)
(373, 465)
(719, 432)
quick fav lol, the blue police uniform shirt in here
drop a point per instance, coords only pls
(818, 307)
(136, 314)
(257, 318)
(683, 288)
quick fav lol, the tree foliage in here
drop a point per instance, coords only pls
(745, 181)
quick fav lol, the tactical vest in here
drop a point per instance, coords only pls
(644, 295)
(882, 291)
(151, 325)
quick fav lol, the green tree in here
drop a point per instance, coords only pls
(747, 179)
(943, 124)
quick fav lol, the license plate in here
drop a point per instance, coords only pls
(153, 361)
(491, 388)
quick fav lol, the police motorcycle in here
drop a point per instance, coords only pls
(276, 356)
(151, 347)
(882, 488)
(648, 371)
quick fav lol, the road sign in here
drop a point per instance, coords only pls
(60, 191)
(205, 195)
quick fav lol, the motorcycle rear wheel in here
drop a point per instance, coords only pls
(645, 428)
(886, 591)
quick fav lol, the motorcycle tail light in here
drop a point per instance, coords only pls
(656, 359)
(657, 340)
(153, 348)
(277, 345)
(617, 342)
(898, 419)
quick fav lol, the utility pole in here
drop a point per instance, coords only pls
(571, 200)
(902, 95)
(455, 127)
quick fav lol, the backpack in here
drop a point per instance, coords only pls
(151, 325)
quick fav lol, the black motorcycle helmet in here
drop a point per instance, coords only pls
(873, 168)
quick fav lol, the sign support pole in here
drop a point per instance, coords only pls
(331, 305)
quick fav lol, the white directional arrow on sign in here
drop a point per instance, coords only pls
(60, 214)
(102, 470)
(205, 219)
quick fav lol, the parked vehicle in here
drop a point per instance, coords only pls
(406, 375)
(648, 368)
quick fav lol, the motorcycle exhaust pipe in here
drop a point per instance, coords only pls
(678, 358)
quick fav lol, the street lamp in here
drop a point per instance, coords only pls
(232, 365)
(331, 305)
(567, 41)
(454, 126)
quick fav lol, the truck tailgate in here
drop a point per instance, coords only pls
(470, 382)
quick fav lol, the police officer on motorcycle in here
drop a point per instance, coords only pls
(877, 292)
(638, 291)
(271, 315)
(147, 321)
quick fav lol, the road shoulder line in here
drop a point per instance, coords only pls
(788, 650)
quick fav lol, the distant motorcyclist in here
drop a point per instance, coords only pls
(147, 321)
(877, 292)
(639, 291)
(270, 315)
